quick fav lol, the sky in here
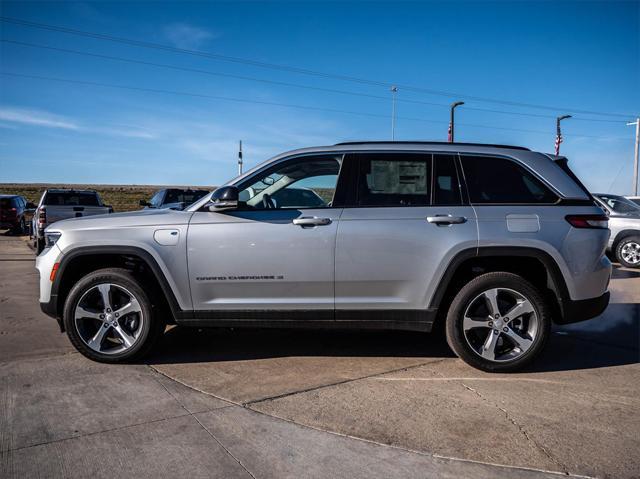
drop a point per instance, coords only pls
(82, 108)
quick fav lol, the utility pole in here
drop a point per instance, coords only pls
(635, 161)
(240, 159)
(394, 90)
(453, 107)
(559, 133)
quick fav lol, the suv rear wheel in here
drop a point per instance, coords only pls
(109, 317)
(498, 322)
(628, 252)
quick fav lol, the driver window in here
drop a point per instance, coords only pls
(308, 182)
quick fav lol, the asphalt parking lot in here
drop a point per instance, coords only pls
(247, 403)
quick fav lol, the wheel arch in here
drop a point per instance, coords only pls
(535, 265)
(83, 260)
(622, 235)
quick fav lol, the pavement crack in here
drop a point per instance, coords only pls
(206, 429)
(337, 383)
(521, 429)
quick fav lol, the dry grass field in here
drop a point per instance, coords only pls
(121, 197)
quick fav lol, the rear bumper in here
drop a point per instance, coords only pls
(581, 310)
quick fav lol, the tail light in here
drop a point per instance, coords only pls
(588, 221)
(42, 217)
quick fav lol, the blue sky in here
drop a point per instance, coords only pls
(573, 55)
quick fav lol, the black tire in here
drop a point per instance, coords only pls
(39, 245)
(23, 227)
(150, 329)
(470, 292)
(633, 242)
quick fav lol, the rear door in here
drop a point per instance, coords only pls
(404, 221)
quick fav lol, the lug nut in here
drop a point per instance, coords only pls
(506, 319)
(117, 315)
(495, 331)
(496, 316)
(505, 329)
(490, 323)
(102, 316)
(108, 310)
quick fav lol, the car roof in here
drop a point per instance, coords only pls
(10, 196)
(69, 190)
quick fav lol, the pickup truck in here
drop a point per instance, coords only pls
(62, 204)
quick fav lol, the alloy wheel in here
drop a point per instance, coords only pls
(500, 324)
(109, 318)
(630, 252)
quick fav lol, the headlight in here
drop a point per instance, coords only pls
(51, 238)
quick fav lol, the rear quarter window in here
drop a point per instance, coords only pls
(493, 180)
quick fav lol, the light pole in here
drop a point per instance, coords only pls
(394, 90)
(635, 161)
(240, 159)
(451, 121)
(558, 133)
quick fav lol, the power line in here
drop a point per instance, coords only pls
(274, 82)
(304, 71)
(270, 103)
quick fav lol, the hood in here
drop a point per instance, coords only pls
(149, 217)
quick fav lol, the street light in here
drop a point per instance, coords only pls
(394, 90)
(453, 106)
(635, 161)
(558, 133)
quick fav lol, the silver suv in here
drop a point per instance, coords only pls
(624, 223)
(496, 242)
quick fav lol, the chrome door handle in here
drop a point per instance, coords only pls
(446, 220)
(311, 221)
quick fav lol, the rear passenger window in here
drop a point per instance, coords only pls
(393, 179)
(446, 186)
(502, 181)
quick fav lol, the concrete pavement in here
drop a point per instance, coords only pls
(221, 403)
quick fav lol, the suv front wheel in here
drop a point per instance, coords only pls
(109, 317)
(498, 322)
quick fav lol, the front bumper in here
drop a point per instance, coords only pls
(574, 311)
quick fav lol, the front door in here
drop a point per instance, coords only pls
(406, 219)
(276, 252)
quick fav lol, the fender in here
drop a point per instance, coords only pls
(555, 279)
(141, 253)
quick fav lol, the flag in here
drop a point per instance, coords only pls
(449, 139)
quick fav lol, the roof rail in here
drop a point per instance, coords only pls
(511, 147)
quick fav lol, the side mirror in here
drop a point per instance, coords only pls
(144, 203)
(224, 198)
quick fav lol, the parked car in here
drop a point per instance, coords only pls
(496, 242)
(15, 213)
(173, 198)
(624, 223)
(635, 199)
(60, 204)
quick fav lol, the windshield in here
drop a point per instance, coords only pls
(620, 204)
(187, 197)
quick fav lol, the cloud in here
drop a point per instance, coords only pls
(10, 116)
(36, 117)
(186, 36)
